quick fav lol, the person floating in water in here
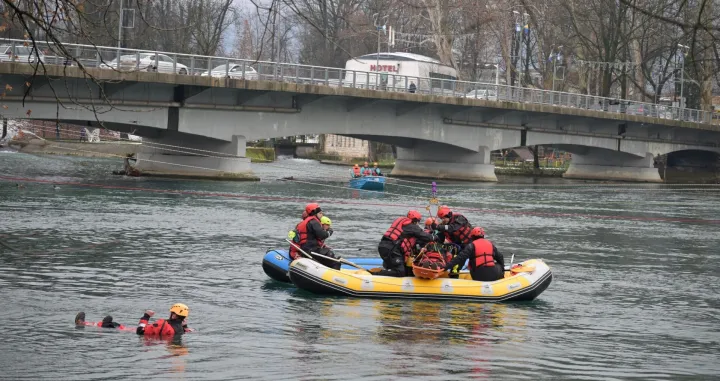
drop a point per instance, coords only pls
(175, 325)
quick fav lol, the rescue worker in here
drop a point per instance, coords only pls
(376, 170)
(429, 225)
(455, 226)
(356, 172)
(312, 236)
(161, 328)
(174, 325)
(293, 236)
(366, 170)
(486, 264)
(398, 243)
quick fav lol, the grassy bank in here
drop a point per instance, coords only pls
(260, 154)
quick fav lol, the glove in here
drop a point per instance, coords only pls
(330, 232)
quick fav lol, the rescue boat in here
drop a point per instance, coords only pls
(277, 262)
(524, 281)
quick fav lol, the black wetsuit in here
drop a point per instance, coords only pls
(391, 251)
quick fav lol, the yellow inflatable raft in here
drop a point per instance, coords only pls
(524, 282)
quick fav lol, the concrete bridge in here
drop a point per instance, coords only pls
(437, 136)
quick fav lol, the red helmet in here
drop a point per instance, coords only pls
(312, 209)
(443, 211)
(429, 221)
(414, 215)
(477, 232)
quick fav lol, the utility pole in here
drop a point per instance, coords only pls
(120, 25)
(682, 75)
(557, 54)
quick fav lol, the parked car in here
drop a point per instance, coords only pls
(147, 62)
(638, 109)
(25, 54)
(483, 94)
(664, 112)
(233, 70)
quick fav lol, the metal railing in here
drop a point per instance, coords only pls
(191, 64)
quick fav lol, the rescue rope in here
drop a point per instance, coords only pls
(361, 203)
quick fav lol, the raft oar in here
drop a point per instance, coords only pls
(298, 247)
(512, 258)
(341, 260)
(345, 261)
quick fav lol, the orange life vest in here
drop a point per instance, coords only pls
(356, 171)
(160, 328)
(302, 230)
(293, 252)
(408, 246)
(367, 172)
(483, 253)
(396, 228)
(461, 235)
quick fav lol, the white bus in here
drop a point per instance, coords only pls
(394, 70)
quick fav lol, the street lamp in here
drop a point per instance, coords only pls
(554, 64)
(682, 75)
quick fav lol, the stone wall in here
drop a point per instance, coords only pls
(344, 146)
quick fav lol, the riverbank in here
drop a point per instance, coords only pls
(109, 149)
(101, 150)
(506, 171)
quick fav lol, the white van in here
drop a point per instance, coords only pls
(395, 72)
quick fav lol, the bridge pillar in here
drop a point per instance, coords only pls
(603, 164)
(184, 155)
(440, 161)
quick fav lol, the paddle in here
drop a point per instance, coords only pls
(341, 260)
(512, 258)
(299, 249)
(324, 256)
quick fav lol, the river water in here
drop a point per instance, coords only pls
(634, 295)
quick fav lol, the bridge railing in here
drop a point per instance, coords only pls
(190, 64)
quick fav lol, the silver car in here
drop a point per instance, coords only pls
(483, 94)
(147, 62)
(24, 54)
(233, 70)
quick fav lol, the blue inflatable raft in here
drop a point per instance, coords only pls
(276, 264)
(376, 183)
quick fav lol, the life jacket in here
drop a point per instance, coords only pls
(367, 172)
(408, 247)
(356, 171)
(483, 253)
(302, 230)
(461, 235)
(396, 228)
(295, 238)
(160, 328)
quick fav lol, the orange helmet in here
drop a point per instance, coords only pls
(477, 232)
(312, 209)
(429, 221)
(356, 165)
(443, 211)
(414, 215)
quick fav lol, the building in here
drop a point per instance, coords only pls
(345, 147)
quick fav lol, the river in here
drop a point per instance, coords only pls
(634, 294)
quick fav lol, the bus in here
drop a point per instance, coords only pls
(393, 70)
